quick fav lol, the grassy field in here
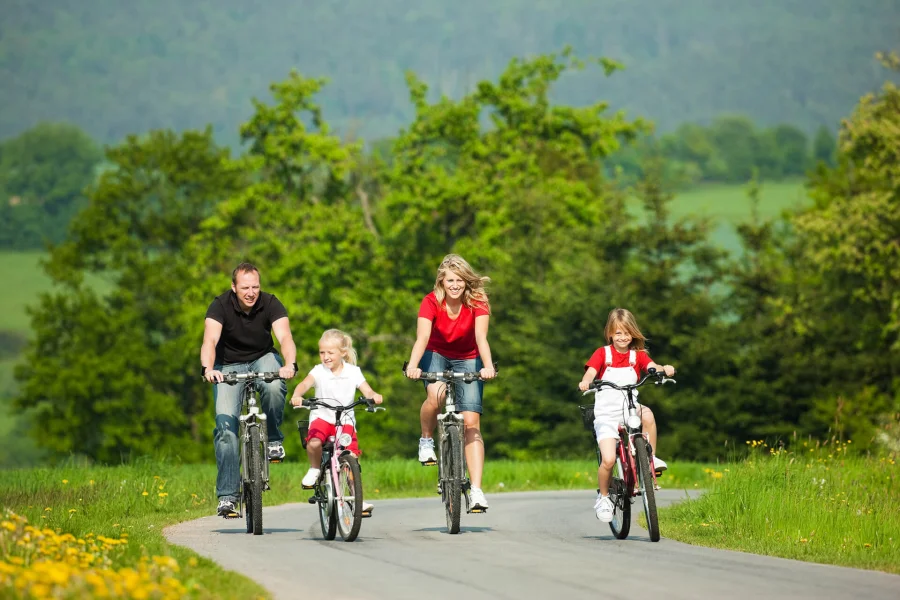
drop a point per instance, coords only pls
(817, 503)
(134, 503)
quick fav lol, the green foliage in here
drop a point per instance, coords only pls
(106, 374)
(43, 174)
(117, 69)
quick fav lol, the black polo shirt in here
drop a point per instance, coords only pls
(245, 337)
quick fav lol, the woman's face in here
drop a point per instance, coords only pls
(454, 285)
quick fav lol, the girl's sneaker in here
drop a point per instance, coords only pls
(604, 508)
(659, 465)
(309, 480)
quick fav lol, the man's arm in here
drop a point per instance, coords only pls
(212, 331)
(282, 330)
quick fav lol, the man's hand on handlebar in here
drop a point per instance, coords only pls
(213, 376)
(287, 372)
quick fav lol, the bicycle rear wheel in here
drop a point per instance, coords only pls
(645, 478)
(349, 505)
(254, 470)
(327, 512)
(451, 470)
(621, 522)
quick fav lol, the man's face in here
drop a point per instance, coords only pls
(247, 289)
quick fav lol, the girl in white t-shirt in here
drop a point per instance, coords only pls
(336, 378)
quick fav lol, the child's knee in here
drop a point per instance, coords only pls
(647, 416)
(314, 443)
(608, 462)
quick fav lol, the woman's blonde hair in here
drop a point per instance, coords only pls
(474, 293)
(343, 341)
(622, 318)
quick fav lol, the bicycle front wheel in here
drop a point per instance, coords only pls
(349, 501)
(451, 470)
(254, 498)
(645, 477)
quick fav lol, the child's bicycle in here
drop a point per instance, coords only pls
(338, 490)
(453, 479)
(632, 475)
(254, 438)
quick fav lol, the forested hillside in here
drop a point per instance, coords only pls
(114, 68)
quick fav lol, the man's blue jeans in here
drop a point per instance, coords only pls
(228, 409)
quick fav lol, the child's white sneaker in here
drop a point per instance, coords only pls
(659, 464)
(309, 480)
(604, 508)
(426, 451)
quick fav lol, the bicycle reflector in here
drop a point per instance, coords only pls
(633, 421)
(346, 439)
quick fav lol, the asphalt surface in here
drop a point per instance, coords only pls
(528, 545)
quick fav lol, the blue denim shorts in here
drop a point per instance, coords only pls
(468, 395)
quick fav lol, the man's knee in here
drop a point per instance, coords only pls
(226, 426)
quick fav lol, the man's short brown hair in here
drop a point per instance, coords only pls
(244, 267)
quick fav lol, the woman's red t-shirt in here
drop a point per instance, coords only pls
(451, 338)
(598, 361)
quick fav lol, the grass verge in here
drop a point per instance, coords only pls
(115, 516)
(817, 502)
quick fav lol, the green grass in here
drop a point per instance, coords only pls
(143, 498)
(819, 504)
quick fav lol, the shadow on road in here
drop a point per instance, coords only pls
(265, 531)
(461, 529)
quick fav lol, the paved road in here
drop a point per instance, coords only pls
(545, 545)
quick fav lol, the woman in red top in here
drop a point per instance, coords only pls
(452, 333)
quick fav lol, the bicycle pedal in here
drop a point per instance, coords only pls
(307, 487)
(658, 472)
(276, 460)
(366, 514)
(232, 516)
(477, 510)
(429, 463)
(313, 500)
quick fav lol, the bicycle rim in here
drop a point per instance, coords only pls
(350, 499)
(645, 476)
(255, 505)
(327, 513)
(451, 457)
(621, 523)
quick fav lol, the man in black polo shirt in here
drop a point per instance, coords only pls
(238, 338)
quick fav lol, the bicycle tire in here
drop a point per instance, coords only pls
(645, 476)
(327, 512)
(349, 515)
(621, 504)
(255, 471)
(451, 455)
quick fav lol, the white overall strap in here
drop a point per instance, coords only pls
(632, 359)
(609, 356)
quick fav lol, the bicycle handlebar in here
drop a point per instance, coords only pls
(233, 377)
(660, 377)
(435, 376)
(313, 403)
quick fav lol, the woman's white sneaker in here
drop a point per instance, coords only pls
(477, 499)
(426, 451)
(310, 478)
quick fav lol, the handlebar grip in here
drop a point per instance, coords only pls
(405, 362)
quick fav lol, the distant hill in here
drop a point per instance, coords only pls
(119, 67)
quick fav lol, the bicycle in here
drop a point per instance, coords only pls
(632, 474)
(453, 479)
(338, 490)
(254, 438)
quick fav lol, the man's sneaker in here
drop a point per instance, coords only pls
(477, 501)
(309, 480)
(276, 452)
(226, 509)
(604, 508)
(426, 451)
(659, 465)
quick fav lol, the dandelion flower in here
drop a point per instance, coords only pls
(145, 493)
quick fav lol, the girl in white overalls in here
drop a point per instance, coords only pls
(610, 405)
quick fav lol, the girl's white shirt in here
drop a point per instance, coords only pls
(336, 389)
